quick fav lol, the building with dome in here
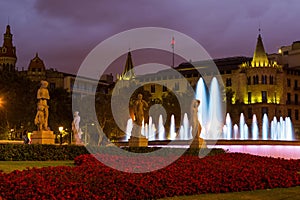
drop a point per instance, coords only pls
(37, 70)
(262, 84)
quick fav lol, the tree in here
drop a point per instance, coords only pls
(18, 102)
(60, 109)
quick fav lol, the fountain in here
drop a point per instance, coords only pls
(211, 119)
(279, 130)
(161, 128)
(172, 134)
(265, 127)
(255, 131)
(242, 124)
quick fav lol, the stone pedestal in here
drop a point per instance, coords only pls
(198, 143)
(137, 139)
(140, 141)
(42, 137)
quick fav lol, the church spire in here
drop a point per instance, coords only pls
(8, 52)
(128, 72)
(260, 58)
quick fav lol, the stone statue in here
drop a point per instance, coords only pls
(196, 127)
(139, 106)
(41, 118)
(75, 127)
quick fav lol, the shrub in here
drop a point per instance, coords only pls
(39, 152)
(20, 152)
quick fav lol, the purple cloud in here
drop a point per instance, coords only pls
(63, 32)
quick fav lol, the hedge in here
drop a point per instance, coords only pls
(38, 152)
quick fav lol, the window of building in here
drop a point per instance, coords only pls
(296, 99)
(264, 110)
(296, 114)
(290, 113)
(289, 82)
(255, 80)
(263, 79)
(249, 97)
(164, 88)
(271, 80)
(152, 88)
(176, 86)
(264, 96)
(249, 80)
(52, 86)
(296, 83)
(250, 114)
(285, 53)
(288, 98)
(228, 82)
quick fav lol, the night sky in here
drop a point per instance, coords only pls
(63, 32)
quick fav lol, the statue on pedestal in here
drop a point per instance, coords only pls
(75, 127)
(43, 135)
(41, 118)
(137, 139)
(196, 127)
(139, 106)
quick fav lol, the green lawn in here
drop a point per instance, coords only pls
(270, 194)
(9, 166)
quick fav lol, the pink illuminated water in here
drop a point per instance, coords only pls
(275, 151)
(281, 151)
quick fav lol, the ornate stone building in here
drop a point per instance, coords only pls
(257, 85)
(37, 71)
(8, 57)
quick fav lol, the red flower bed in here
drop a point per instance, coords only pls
(189, 175)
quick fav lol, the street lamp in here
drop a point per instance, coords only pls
(2, 102)
(60, 133)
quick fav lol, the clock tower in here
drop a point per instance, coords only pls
(8, 56)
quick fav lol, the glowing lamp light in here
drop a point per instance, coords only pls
(60, 128)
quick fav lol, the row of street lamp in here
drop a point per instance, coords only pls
(61, 131)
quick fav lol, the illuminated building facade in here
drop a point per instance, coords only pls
(257, 85)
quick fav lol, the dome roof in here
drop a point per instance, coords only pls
(36, 63)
